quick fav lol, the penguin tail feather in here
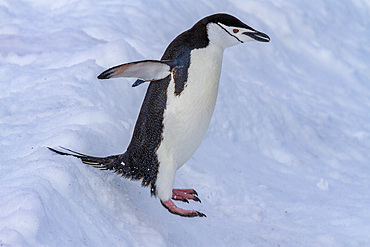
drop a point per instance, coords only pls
(114, 162)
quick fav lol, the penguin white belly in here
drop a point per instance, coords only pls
(187, 116)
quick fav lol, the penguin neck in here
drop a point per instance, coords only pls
(206, 64)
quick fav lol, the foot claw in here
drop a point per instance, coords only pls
(193, 192)
(197, 199)
(185, 200)
(201, 214)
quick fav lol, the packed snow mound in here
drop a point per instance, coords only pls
(286, 160)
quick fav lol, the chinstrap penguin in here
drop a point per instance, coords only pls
(177, 107)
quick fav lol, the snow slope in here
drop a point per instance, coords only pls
(286, 161)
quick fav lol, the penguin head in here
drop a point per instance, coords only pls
(226, 30)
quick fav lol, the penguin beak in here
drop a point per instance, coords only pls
(258, 36)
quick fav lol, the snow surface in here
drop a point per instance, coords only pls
(286, 161)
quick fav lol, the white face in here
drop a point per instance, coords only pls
(226, 36)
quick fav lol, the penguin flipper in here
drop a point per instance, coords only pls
(147, 70)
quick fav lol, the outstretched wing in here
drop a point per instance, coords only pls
(146, 70)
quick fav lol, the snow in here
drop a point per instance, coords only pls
(286, 160)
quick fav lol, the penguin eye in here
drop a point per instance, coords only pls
(235, 30)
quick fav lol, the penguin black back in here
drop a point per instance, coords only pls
(140, 155)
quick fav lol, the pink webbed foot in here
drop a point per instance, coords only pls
(185, 195)
(172, 208)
